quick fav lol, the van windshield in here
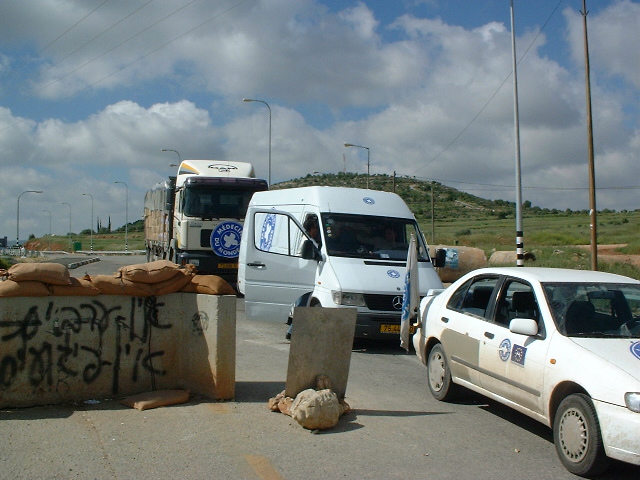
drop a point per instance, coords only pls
(370, 237)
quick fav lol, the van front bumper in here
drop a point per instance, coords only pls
(378, 326)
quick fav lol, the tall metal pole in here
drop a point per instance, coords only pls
(516, 122)
(49, 212)
(126, 217)
(262, 101)
(592, 175)
(91, 224)
(368, 157)
(18, 215)
(70, 246)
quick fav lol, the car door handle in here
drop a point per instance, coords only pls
(489, 335)
(256, 264)
(444, 319)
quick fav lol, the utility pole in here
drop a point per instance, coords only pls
(592, 175)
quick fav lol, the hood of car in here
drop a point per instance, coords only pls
(624, 353)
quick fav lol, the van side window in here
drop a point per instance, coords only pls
(276, 233)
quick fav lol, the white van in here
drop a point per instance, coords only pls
(350, 263)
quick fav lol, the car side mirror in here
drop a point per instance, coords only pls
(309, 251)
(524, 326)
(440, 258)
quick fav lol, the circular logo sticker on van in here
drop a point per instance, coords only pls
(266, 234)
(368, 200)
(225, 239)
(635, 349)
(393, 273)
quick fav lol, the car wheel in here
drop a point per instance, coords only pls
(577, 437)
(439, 375)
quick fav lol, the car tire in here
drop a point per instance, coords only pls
(439, 375)
(577, 437)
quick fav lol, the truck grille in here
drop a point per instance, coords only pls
(205, 237)
(385, 303)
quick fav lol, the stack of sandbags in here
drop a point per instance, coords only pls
(142, 280)
(35, 280)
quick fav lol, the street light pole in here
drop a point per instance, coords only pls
(262, 101)
(174, 151)
(18, 215)
(368, 157)
(70, 247)
(91, 224)
(49, 227)
(126, 216)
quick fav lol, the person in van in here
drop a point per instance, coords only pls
(388, 240)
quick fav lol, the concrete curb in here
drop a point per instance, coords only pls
(83, 262)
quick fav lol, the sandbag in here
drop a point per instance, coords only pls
(152, 272)
(27, 288)
(460, 260)
(79, 287)
(109, 285)
(159, 398)
(174, 284)
(316, 409)
(509, 257)
(51, 273)
(208, 285)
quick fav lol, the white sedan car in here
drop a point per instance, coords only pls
(561, 346)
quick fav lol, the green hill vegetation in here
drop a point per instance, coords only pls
(558, 238)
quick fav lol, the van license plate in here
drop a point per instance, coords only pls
(228, 265)
(395, 329)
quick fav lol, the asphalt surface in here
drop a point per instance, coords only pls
(396, 429)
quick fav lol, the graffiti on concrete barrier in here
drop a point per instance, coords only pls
(52, 347)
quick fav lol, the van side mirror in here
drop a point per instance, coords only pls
(440, 258)
(309, 251)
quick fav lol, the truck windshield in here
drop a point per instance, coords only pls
(370, 237)
(206, 202)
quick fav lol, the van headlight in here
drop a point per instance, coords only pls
(348, 298)
(632, 401)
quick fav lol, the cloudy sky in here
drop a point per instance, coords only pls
(92, 90)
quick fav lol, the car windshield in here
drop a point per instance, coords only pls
(371, 237)
(595, 309)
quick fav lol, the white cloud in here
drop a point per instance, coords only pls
(426, 98)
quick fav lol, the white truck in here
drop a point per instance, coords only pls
(350, 264)
(197, 217)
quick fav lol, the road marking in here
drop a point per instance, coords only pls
(263, 467)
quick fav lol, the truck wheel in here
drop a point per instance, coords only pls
(439, 375)
(577, 437)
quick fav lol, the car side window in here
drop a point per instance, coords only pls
(473, 297)
(516, 300)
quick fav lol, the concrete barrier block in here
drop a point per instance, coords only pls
(61, 349)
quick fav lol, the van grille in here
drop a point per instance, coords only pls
(383, 303)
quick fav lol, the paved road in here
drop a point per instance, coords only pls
(396, 430)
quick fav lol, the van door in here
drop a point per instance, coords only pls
(275, 274)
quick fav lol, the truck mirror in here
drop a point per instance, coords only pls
(309, 251)
(440, 258)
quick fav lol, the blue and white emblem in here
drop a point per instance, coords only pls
(266, 234)
(225, 239)
(393, 273)
(635, 349)
(518, 354)
(368, 200)
(505, 349)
